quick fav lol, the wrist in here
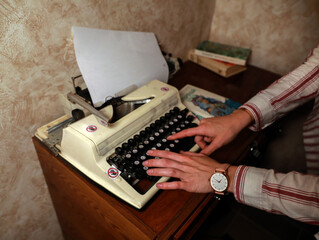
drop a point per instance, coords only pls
(244, 117)
(231, 175)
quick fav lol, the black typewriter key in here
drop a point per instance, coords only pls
(137, 162)
(163, 119)
(171, 123)
(156, 135)
(184, 112)
(131, 143)
(151, 139)
(158, 146)
(149, 131)
(125, 146)
(164, 141)
(141, 147)
(190, 118)
(143, 157)
(137, 138)
(118, 150)
(176, 109)
(143, 134)
(161, 130)
(168, 116)
(146, 144)
(158, 123)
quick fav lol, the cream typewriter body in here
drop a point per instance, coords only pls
(111, 153)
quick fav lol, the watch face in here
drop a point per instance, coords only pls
(219, 182)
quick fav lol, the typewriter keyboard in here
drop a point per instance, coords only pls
(128, 157)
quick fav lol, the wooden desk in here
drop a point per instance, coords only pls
(86, 211)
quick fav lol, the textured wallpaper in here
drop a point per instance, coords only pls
(37, 61)
(280, 32)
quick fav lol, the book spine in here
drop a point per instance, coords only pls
(220, 57)
(208, 63)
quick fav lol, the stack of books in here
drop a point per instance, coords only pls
(223, 59)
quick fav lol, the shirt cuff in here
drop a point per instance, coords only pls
(248, 185)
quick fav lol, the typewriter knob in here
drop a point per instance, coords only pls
(77, 114)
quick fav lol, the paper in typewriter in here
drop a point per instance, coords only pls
(111, 61)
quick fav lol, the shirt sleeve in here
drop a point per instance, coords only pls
(293, 194)
(285, 94)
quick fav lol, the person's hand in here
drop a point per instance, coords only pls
(192, 169)
(213, 133)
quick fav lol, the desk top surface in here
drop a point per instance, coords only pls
(240, 87)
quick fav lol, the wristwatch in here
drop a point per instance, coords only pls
(219, 180)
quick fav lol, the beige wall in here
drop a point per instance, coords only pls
(37, 61)
(279, 32)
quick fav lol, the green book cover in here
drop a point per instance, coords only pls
(224, 49)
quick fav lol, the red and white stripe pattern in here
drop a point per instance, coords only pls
(290, 91)
(311, 139)
(294, 194)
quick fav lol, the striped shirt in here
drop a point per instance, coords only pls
(293, 194)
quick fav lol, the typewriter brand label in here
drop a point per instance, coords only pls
(165, 89)
(113, 172)
(91, 128)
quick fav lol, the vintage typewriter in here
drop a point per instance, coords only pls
(109, 144)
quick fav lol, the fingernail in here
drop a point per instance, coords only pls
(150, 151)
(159, 185)
(145, 163)
(149, 171)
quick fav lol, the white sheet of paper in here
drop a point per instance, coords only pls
(111, 61)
